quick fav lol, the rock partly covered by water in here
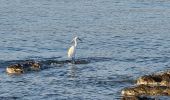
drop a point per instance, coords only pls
(157, 84)
(24, 67)
(137, 98)
(158, 79)
(140, 90)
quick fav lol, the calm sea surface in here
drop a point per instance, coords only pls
(122, 40)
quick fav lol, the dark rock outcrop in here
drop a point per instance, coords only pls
(157, 84)
(161, 79)
(24, 67)
(140, 90)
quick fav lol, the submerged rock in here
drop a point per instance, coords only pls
(22, 68)
(33, 66)
(36, 66)
(140, 90)
(137, 98)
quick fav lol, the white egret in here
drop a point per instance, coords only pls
(72, 50)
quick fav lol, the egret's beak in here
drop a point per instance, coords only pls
(79, 39)
(72, 41)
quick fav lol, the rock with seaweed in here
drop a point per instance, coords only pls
(159, 79)
(23, 67)
(157, 84)
(145, 90)
(15, 69)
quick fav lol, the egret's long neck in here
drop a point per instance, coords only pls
(75, 42)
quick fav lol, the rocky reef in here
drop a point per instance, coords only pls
(157, 84)
(158, 79)
(137, 98)
(140, 90)
(16, 68)
(23, 67)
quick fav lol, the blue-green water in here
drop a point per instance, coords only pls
(122, 40)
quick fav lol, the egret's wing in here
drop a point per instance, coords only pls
(71, 51)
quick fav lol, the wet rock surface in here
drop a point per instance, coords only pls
(137, 98)
(157, 84)
(30, 65)
(23, 67)
(139, 90)
(16, 68)
(161, 79)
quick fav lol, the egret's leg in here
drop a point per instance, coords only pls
(73, 60)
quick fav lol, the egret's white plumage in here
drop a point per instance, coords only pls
(72, 49)
(71, 52)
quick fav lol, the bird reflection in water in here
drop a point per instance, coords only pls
(72, 71)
